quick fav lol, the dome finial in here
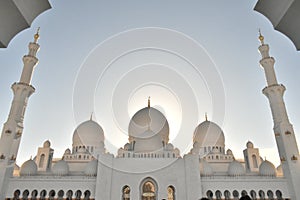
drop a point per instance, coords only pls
(206, 116)
(91, 117)
(37, 36)
(261, 37)
(149, 102)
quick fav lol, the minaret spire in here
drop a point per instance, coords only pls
(149, 102)
(13, 127)
(261, 37)
(30, 60)
(37, 35)
(91, 117)
(283, 129)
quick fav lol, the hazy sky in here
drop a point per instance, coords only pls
(107, 57)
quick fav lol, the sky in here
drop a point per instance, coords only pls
(107, 57)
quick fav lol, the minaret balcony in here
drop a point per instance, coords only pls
(294, 158)
(274, 89)
(2, 157)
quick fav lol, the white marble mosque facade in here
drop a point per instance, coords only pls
(148, 167)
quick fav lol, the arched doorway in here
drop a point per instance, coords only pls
(148, 189)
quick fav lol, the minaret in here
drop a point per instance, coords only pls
(13, 127)
(283, 129)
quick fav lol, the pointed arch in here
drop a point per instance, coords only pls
(34, 195)
(218, 194)
(17, 194)
(87, 195)
(148, 189)
(171, 192)
(69, 195)
(126, 193)
(78, 194)
(227, 195)
(25, 195)
(42, 160)
(209, 194)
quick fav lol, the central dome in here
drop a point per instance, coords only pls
(147, 123)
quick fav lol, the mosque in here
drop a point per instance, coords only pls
(148, 167)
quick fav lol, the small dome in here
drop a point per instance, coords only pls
(91, 168)
(249, 145)
(209, 134)
(235, 168)
(205, 168)
(67, 151)
(88, 133)
(177, 152)
(266, 168)
(229, 152)
(148, 119)
(121, 151)
(28, 168)
(279, 169)
(47, 144)
(127, 147)
(169, 147)
(61, 168)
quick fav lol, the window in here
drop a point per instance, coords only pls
(42, 160)
(126, 193)
(171, 193)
